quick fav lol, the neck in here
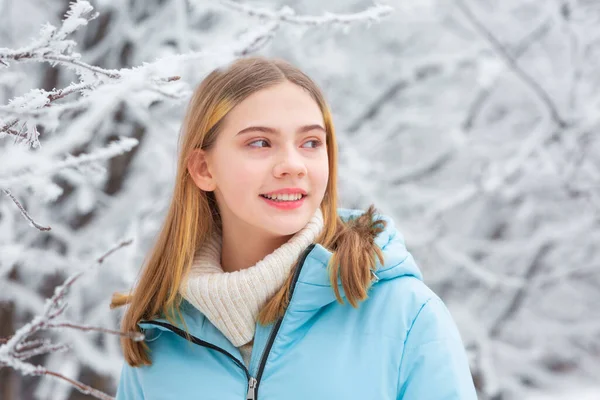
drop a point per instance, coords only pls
(241, 251)
(231, 301)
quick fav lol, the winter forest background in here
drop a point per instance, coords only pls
(474, 123)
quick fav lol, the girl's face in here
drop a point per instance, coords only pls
(273, 140)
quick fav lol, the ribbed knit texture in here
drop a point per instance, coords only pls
(233, 300)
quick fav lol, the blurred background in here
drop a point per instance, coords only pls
(474, 123)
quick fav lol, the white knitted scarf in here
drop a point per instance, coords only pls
(232, 300)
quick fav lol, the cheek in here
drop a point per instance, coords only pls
(239, 177)
(320, 174)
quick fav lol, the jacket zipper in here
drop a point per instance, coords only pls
(200, 342)
(271, 340)
(252, 382)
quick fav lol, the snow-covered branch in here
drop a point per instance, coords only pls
(41, 168)
(513, 64)
(515, 53)
(22, 177)
(288, 15)
(53, 47)
(24, 212)
(19, 347)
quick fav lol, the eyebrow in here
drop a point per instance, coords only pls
(266, 129)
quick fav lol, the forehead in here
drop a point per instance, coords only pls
(282, 106)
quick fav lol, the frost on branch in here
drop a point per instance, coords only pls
(288, 15)
(15, 350)
(24, 115)
(52, 44)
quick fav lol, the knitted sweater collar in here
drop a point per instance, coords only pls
(233, 300)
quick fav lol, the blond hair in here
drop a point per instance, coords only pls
(193, 214)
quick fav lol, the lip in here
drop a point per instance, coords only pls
(288, 191)
(284, 205)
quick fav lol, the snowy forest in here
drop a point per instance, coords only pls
(474, 123)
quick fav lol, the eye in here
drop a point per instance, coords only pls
(257, 141)
(317, 142)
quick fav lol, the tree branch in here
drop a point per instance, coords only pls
(24, 212)
(288, 15)
(15, 349)
(513, 64)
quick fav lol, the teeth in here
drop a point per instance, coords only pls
(284, 197)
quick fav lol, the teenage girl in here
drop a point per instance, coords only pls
(259, 286)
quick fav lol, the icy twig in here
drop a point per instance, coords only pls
(53, 46)
(15, 349)
(118, 147)
(288, 15)
(513, 64)
(24, 212)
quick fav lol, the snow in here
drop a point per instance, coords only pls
(473, 123)
(579, 394)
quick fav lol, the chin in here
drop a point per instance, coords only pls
(285, 226)
(288, 230)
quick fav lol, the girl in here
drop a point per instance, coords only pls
(244, 294)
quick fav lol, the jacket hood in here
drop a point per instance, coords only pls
(313, 289)
(315, 286)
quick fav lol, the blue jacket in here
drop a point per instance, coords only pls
(400, 343)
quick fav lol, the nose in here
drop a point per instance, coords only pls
(289, 162)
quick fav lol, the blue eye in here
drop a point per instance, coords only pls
(256, 141)
(318, 143)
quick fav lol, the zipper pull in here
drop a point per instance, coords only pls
(251, 389)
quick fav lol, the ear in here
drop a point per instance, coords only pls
(198, 168)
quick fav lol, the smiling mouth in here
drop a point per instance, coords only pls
(285, 199)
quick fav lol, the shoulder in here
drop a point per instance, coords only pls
(408, 289)
(416, 310)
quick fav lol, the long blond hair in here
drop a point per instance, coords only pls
(193, 214)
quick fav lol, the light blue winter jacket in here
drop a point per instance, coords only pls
(400, 343)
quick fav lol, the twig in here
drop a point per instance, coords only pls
(288, 15)
(136, 336)
(24, 212)
(520, 294)
(82, 387)
(15, 349)
(518, 52)
(513, 64)
(48, 348)
(114, 149)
